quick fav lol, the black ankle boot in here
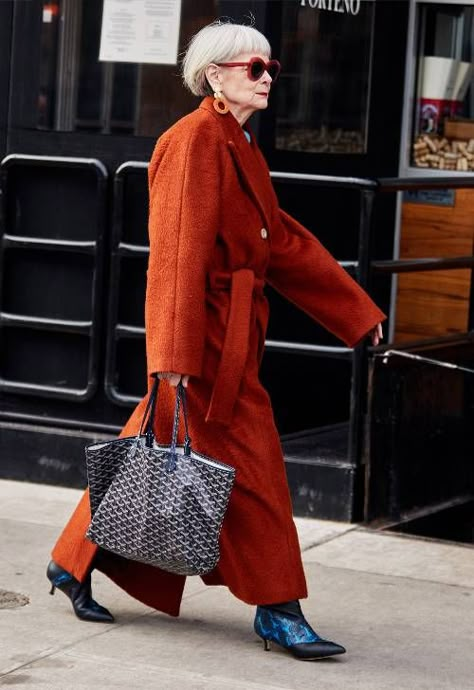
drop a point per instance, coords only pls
(79, 593)
(285, 624)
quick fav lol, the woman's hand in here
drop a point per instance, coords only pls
(173, 379)
(376, 334)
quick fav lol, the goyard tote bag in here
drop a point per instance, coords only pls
(166, 504)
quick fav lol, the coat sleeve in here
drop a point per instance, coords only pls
(304, 272)
(183, 222)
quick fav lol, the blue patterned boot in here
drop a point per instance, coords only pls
(286, 625)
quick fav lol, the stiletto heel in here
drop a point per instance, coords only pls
(285, 625)
(79, 593)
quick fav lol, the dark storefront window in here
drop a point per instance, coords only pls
(80, 93)
(443, 125)
(323, 94)
(322, 97)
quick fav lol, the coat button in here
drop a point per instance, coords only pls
(264, 233)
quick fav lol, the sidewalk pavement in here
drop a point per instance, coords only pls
(403, 607)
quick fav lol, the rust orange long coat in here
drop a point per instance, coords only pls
(217, 236)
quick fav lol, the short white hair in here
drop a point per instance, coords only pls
(218, 42)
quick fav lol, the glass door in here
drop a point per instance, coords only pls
(78, 92)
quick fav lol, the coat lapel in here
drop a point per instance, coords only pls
(254, 176)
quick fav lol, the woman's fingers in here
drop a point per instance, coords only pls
(377, 334)
(173, 379)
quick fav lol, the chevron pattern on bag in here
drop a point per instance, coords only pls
(161, 508)
(103, 461)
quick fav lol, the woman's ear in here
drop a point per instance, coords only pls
(213, 76)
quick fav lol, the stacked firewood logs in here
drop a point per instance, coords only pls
(433, 151)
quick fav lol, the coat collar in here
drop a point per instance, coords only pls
(247, 159)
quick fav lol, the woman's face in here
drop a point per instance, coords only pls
(243, 95)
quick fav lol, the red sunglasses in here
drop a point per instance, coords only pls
(256, 67)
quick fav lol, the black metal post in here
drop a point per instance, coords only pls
(358, 393)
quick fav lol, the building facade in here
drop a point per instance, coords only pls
(86, 87)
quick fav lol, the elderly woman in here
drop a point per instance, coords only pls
(217, 236)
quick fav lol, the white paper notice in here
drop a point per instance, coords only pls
(140, 31)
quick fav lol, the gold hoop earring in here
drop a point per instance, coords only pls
(219, 103)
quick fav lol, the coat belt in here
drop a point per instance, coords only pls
(242, 285)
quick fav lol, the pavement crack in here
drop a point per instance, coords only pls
(326, 540)
(63, 648)
(393, 575)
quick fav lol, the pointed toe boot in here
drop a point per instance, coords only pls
(286, 625)
(85, 607)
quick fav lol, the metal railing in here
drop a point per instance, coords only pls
(28, 241)
(365, 267)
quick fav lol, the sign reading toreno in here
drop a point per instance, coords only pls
(140, 31)
(344, 6)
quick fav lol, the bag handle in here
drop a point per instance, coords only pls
(146, 426)
(181, 401)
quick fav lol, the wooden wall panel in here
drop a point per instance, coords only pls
(435, 303)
